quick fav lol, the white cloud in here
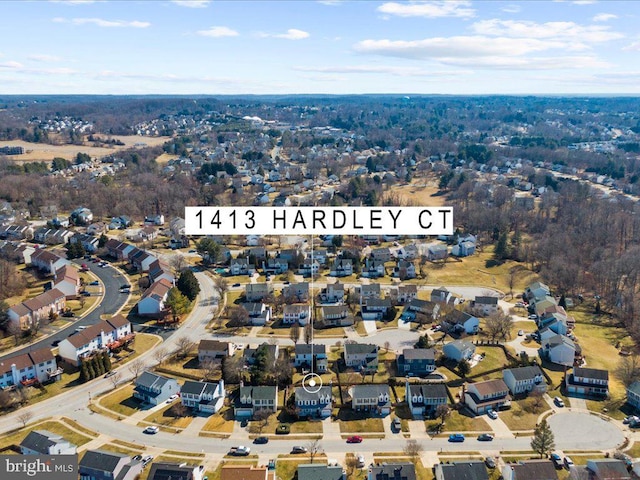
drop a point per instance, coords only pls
(429, 9)
(528, 63)
(218, 32)
(331, 3)
(635, 46)
(460, 46)
(291, 34)
(103, 23)
(604, 17)
(584, 2)
(192, 3)
(550, 30)
(12, 65)
(374, 69)
(73, 2)
(511, 8)
(44, 58)
(17, 67)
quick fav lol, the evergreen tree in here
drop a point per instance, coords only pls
(501, 251)
(563, 302)
(102, 240)
(188, 285)
(84, 373)
(464, 368)
(543, 442)
(177, 303)
(106, 361)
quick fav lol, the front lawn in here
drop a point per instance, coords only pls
(121, 401)
(169, 417)
(460, 421)
(523, 414)
(221, 422)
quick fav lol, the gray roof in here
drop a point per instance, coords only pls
(41, 440)
(535, 470)
(369, 391)
(266, 392)
(393, 471)
(197, 388)
(359, 348)
(305, 349)
(419, 354)
(170, 471)
(319, 472)
(428, 390)
(467, 470)
(304, 394)
(525, 373)
(101, 460)
(151, 380)
(591, 373)
(634, 388)
(487, 300)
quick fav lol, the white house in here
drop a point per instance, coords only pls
(559, 349)
(152, 301)
(482, 396)
(458, 321)
(297, 312)
(458, 350)
(523, 380)
(67, 280)
(43, 442)
(203, 397)
(37, 366)
(372, 398)
(485, 306)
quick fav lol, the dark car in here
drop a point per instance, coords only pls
(261, 440)
(55, 343)
(95, 282)
(68, 314)
(557, 461)
(485, 437)
(125, 285)
(490, 462)
(235, 285)
(298, 449)
(456, 437)
(86, 294)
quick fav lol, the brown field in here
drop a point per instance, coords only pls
(45, 152)
(420, 193)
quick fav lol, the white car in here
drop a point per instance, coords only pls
(520, 333)
(360, 460)
(172, 398)
(559, 402)
(492, 414)
(151, 430)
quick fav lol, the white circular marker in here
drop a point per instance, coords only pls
(312, 383)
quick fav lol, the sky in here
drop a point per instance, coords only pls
(319, 47)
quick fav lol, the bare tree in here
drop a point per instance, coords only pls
(511, 279)
(442, 412)
(387, 346)
(179, 410)
(221, 286)
(238, 317)
(115, 379)
(25, 417)
(294, 332)
(498, 326)
(313, 448)
(179, 263)
(308, 333)
(159, 354)
(413, 449)
(628, 369)
(351, 463)
(136, 368)
(261, 419)
(184, 345)
(536, 397)
(210, 369)
(15, 330)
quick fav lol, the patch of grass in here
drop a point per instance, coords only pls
(112, 447)
(61, 429)
(634, 451)
(494, 358)
(178, 453)
(167, 417)
(523, 414)
(460, 421)
(132, 446)
(365, 425)
(329, 332)
(75, 425)
(287, 469)
(221, 422)
(121, 401)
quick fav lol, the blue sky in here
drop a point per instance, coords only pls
(336, 47)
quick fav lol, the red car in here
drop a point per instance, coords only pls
(354, 439)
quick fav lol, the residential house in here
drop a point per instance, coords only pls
(361, 356)
(246, 472)
(320, 472)
(523, 380)
(157, 220)
(485, 306)
(405, 293)
(254, 292)
(159, 270)
(333, 293)
(297, 312)
(404, 269)
(81, 216)
(608, 469)
(530, 470)
(17, 252)
(373, 269)
(392, 471)
(47, 262)
(89, 243)
(557, 323)
(371, 398)
(141, 260)
(103, 465)
(314, 403)
(633, 395)
(490, 394)
(382, 254)
(175, 471)
(275, 266)
(368, 291)
(67, 280)
(591, 382)
(119, 250)
(272, 351)
(560, 349)
(320, 255)
(458, 321)
(416, 362)
(154, 389)
(259, 312)
(209, 350)
(289, 254)
(463, 249)
(375, 308)
(540, 306)
(120, 223)
(423, 399)
(535, 291)
(296, 292)
(311, 355)
(33, 311)
(335, 316)
(106, 334)
(257, 253)
(203, 397)
(252, 399)
(443, 296)
(459, 350)
(152, 302)
(437, 251)
(16, 232)
(37, 366)
(309, 267)
(423, 307)
(341, 267)
(96, 228)
(43, 442)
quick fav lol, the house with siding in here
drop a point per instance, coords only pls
(305, 354)
(47, 262)
(375, 399)
(458, 321)
(152, 301)
(37, 366)
(252, 399)
(320, 472)
(67, 280)
(458, 350)
(523, 380)
(560, 349)
(361, 356)
(341, 267)
(34, 311)
(405, 293)
(175, 471)
(490, 394)
(423, 399)
(246, 472)
(590, 382)
(103, 465)
(633, 395)
(392, 471)
(332, 293)
(209, 350)
(461, 470)
(335, 316)
(530, 470)
(43, 442)
(296, 292)
(254, 292)
(416, 361)
(154, 389)
(203, 397)
(485, 306)
(297, 312)
(316, 403)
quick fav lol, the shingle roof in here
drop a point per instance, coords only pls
(360, 348)
(151, 380)
(466, 470)
(41, 440)
(264, 392)
(101, 460)
(170, 471)
(419, 354)
(305, 349)
(525, 373)
(428, 390)
(393, 471)
(319, 472)
(369, 391)
(534, 470)
(490, 386)
(303, 394)
(591, 373)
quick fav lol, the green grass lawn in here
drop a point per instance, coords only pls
(494, 359)
(121, 401)
(460, 422)
(523, 414)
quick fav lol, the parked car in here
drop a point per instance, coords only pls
(146, 460)
(172, 398)
(631, 419)
(396, 424)
(110, 373)
(125, 285)
(533, 316)
(490, 462)
(55, 343)
(235, 285)
(360, 461)
(261, 440)
(68, 314)
(136, 458)
(568, 463)
(456, 437)
(485, 437)
(86, 294)
(559, 402)
(298, 449)
(354, 439)
(519, 304)
(151, 430)
(520, 333)
(240, 451)
(492, 414)
(95, 282)
(556, 460)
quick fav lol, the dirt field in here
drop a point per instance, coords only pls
(420, 193)
(44, 152)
